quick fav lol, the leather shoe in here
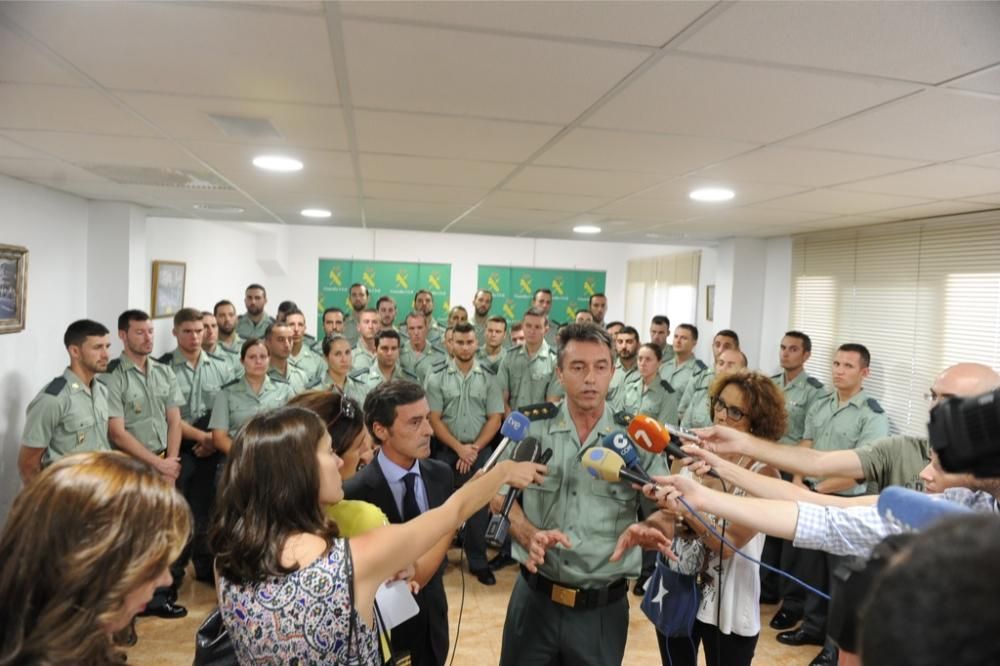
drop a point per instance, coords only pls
(784, 619)
(827, 657)
(168, 611)
(639, 589)
(485, 576)
(799, 637)
(500, 561)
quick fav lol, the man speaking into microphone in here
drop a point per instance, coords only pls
(568, 605)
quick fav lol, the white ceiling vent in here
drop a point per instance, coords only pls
(158, 177)
(244, 127)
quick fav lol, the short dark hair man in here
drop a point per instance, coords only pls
(254, 322)
(598, 306)
(404, 482)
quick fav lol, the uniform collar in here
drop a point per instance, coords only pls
(75, 383)
(562, 422)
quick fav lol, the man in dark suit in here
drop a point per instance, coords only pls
(404, 483)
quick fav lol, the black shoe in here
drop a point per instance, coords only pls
(827, 657)
(167, 611)
(800, 637)
(639, 589)
(785, 619)
(485, 576)
(769, 599)
(501, 561)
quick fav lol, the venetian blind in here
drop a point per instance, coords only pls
(920, 295)
(662, 286)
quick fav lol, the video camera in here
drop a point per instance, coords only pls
(965, 433)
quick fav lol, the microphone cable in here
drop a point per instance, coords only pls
(461, 605)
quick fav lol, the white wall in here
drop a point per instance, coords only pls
(53, 226)
(777, 307)
(223, 258)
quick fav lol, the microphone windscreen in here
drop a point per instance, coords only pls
(915, 510)
(603, 464)
(527, 450)
(515, 426)
(620, 443)
(648, 433)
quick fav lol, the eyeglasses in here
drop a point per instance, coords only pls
(734, 413)
(933, 396)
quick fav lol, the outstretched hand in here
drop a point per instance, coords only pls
(646, 537)
(540, 543)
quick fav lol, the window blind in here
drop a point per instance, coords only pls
(921, 295)
(662, 285)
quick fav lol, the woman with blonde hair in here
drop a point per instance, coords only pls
(84, 547)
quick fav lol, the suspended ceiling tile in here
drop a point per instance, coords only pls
(941, 181)
(685, 95)
(428, 193)
(454, 173)
(82, 110)
(934, 209)
(746, 192)
(584, 182)
(840, 202)
(546, 201)
(23, 62)
(987, 81)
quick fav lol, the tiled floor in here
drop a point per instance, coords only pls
(171, 642)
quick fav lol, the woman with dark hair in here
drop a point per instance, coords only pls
(648, 394)
(750, 402)
(289, 588)
(251, 394)
(84, 547)
(337, 352)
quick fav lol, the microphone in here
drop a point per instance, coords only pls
(654, 437)
(620, 443)
(913, 510)
(527, 450)
(606, 464)
(514, 429)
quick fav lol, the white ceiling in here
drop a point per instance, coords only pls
(514, 118)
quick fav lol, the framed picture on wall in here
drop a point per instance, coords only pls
(13, 287)
(168, 287)
(710, 302)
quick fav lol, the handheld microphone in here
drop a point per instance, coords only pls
(607, 465)
(620, 443)
(654, 437)
(913, 510)
(527, 450)
(514, 429)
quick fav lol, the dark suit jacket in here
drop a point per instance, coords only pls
(424, 636)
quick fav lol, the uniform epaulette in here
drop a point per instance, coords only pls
(487, 367)
(277, 380)
(113, 365)
(166, 358)
(409, 375)
(438, 349)
(874, 406)
(56, 386)
(217, 356)
(779, 376)
(359, 373)
(623, 418)
(700, 364)
(665, 384)
(540, 411)
(815, 383)
(440, 365)
(235, 382)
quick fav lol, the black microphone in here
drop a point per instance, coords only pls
(527, 450)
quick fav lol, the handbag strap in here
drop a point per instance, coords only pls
(384, 631)
(349, 564)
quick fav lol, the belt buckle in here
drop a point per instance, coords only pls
(564, 595)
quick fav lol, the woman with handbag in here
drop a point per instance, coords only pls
(289, 587)
(84, 546)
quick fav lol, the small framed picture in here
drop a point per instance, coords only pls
(710, 302)
(13, 287)
(168, 287)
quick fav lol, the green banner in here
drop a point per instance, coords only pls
(401, 280)
(513, 288)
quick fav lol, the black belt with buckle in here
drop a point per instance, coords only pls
(574, 597)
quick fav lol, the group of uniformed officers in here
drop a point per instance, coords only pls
(180, 413)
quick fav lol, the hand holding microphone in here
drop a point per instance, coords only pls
(654, 437)
(514, 429)
(528, 450)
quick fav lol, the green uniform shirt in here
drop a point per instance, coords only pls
(667, 354)
(591, 512)
(490, 363)
(833, 427)
(422, 363)
(231, 356)
(800, 394)
(658, 400)
(246, 328)
(695, 410)
(67, 417)
(620, 377)
(464, 401)
(198, 384)
(351, 327)
(142, 399)
(237, 402)
(529, 380)
(894, 461)
(361, 358)
(352, 385)
(294, 377)
(435, 332)
(312, 364)
(363, 381)
(552, 335)
(680, 375)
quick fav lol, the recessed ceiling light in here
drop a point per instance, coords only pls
(277, 163)
(318, 213)
(219, 208)
(587, 229)
(712, 194)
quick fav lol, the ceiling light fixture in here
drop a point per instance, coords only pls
(219, 208)
(587, 229)
(317, 213)
(712, 194)
(277, 163)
